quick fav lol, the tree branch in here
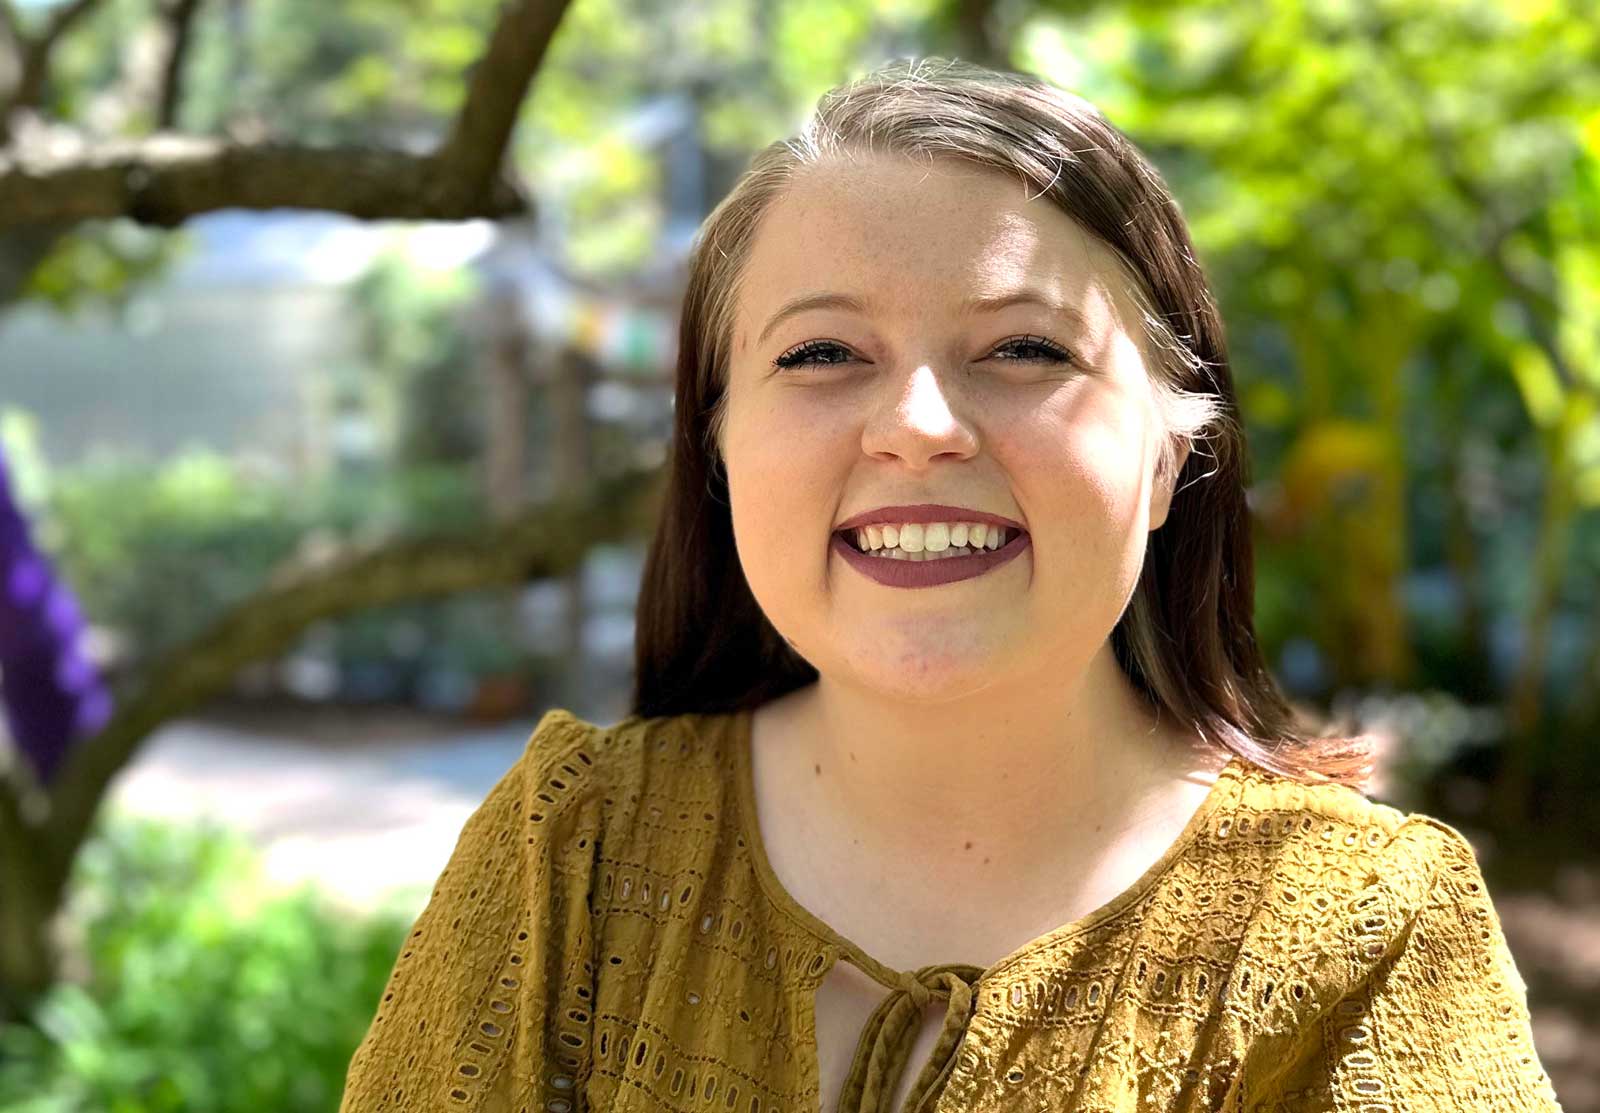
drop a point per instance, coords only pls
(477, 144)
(180, 29)
(544, 541)
(34, 71)
(166, 179)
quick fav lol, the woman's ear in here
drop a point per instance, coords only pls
(1164, 485)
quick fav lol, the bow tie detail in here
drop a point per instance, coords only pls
(886, 1042)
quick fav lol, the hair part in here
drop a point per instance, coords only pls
(1187, 638)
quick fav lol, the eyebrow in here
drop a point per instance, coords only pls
(807, 302)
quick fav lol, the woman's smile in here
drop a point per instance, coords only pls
(925, 569)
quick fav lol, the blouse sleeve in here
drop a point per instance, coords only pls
(1440, 1022)
(486, 1009)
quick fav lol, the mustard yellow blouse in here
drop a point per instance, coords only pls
(609, 935)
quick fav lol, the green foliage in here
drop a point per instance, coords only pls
(205, 991)
(25, 462)
(103, 264)
(417, 357)
(1396, 204)
(86, 64)
(156, 554)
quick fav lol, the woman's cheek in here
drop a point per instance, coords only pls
(770, 512)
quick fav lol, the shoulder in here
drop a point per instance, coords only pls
(1342, 847)
(1330, 811)
(1343, 821)
(1363, 952)
(1321, 886)
(571, 764)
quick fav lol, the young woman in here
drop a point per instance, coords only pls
(955, 779)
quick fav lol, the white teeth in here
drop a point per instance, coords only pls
(929, 540)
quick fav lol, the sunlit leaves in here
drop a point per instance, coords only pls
(819, 42)
(103, 263)
(1542, 392)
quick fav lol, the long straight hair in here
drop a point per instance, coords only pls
(1187, 638)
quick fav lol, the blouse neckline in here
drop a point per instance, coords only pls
(1220, 796)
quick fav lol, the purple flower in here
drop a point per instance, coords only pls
(50, 692)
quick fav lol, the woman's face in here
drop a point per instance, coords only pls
(918, 397)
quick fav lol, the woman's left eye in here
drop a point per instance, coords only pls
(1053, 352)
(1037, 348)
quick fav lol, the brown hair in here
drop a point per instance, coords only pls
(1187, 639)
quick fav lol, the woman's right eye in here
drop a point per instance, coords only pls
(810, 353)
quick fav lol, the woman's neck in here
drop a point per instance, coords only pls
(1006, 794)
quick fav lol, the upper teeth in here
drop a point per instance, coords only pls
(929, 537)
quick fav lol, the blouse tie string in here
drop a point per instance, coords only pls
(885, 1045)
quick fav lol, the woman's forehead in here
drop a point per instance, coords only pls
(894, 209)
(899, 237)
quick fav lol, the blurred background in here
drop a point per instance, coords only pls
(335, 357)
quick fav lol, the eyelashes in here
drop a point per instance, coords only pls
(809, 354)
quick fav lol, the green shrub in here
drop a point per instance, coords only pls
(205, 992)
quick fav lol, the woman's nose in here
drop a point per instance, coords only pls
(920, 421)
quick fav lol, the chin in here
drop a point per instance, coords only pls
(919, 676)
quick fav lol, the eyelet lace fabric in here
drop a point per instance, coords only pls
(608, 935)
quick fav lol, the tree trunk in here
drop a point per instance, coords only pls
(1525, 752)
(976, 39)
(506, 399)
(1461, 547)
(1583, 715)
(27, 964)
(571, 472)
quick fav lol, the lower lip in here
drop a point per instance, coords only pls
(928, 573)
